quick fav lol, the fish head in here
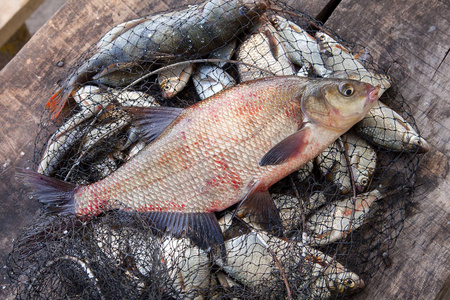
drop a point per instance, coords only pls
(416, 142)
(325, 42)
(279, 22)
(168, 88)
(343, 281)
(338, 103)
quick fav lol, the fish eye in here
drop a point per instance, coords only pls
(364, 181)
(349, 283)
(346, 89)
(415, 140)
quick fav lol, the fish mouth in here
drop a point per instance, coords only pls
(422, 146)
(372, 93)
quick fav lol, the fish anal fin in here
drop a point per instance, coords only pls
(202, 228)
(152, 121)
(287, 148)
(259, 208)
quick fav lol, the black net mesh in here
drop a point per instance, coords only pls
(341, 213)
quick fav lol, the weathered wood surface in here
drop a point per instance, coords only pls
(400, 32)
(13, 14)
(413, 39)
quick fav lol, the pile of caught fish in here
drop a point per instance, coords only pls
(233, 149)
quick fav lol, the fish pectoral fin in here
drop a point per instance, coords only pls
(152, 121)
(202, 228)
(287, 148)
(259, 208)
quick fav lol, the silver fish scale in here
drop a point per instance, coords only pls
(339, 216)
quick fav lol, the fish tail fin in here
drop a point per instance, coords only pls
(56, 196)
(57, 101)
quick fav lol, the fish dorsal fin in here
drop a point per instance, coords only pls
(152, 121)
(287, 148)
(202, 228)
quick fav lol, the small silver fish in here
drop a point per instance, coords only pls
(337, 219)
(133, 98)
(263, 50)
(59, 145)
(346, 65)
(385, 128)
(333, 165)
(363, 159)
(301, 47)
(332, 277)
(173, 80)
(291, 208)
(90, 102)
(103, 131)
(209, 80)
(188, 265)
(251, 260)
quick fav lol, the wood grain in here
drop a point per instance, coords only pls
(412, 39)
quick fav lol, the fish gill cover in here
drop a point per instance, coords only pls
(338, 216)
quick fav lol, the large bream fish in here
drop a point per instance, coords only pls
(226, 149)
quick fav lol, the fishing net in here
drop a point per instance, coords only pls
(341, 213)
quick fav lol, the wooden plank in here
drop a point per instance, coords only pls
(412, 39)
(13, 14)
(31, 77)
